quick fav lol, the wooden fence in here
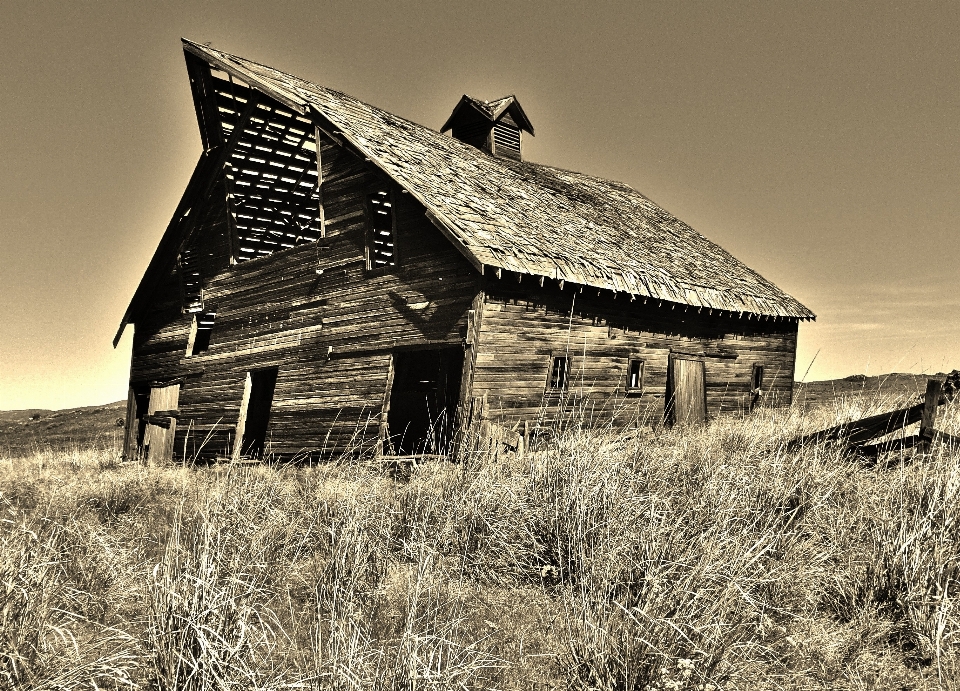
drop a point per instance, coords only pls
(856, 433)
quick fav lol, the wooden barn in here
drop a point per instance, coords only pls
(336, 277)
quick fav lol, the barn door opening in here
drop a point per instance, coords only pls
(686, 399)
(138, 402)
(255, 413)
(160, 423)
(423, 400)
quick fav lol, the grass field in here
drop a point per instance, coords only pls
(671, 559)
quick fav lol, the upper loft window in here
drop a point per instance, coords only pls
(200, 332)
(506, 139)
(381, 243)
(272, 178)
(558, 372)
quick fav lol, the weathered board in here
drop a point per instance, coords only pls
(130, 427)
(161, 429)
(687, 401)
(523, 326)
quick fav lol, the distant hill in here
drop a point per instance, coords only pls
(23, 430)
(883, 387)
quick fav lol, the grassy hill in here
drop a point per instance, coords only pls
(878, 389)
(21, 431)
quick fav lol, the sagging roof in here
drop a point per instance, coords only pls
(525, 217)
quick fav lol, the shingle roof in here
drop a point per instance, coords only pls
(530, 218)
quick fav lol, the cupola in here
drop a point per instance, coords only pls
(493, 126)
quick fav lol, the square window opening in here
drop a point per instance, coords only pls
(200, 332)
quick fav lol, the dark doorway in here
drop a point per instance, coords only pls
(141, 393)
(262, 384)
(423, 400)
(138, 401)
(686, 400)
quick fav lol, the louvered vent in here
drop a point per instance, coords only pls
(506, 139)
(492, 126)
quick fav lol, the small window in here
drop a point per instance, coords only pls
(381, 248)
(635, 375)
(558, 372)
(757, 379)
(200, 332)
(756, 387)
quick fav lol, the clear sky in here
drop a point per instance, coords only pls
(817, 142)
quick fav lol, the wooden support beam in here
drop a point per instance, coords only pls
(945, 438)
(204, 101)
(931, 400)
(242, 419)
(158, 421)
(130, 427)
(322, 217)
(385, 446)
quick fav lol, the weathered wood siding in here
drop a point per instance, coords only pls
(522, 328)
(331, 334)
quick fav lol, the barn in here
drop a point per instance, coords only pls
(339, 279)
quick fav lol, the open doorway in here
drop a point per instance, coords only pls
(255, 413)
(423, 400)
(138, 402)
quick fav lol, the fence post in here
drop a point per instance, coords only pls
(930, 402)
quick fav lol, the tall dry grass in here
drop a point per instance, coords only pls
(655, 559)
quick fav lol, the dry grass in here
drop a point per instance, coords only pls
(685, 559)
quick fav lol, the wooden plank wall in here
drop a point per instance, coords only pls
(523, 326)
(331, 334)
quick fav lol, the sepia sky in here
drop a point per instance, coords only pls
(817, 142)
